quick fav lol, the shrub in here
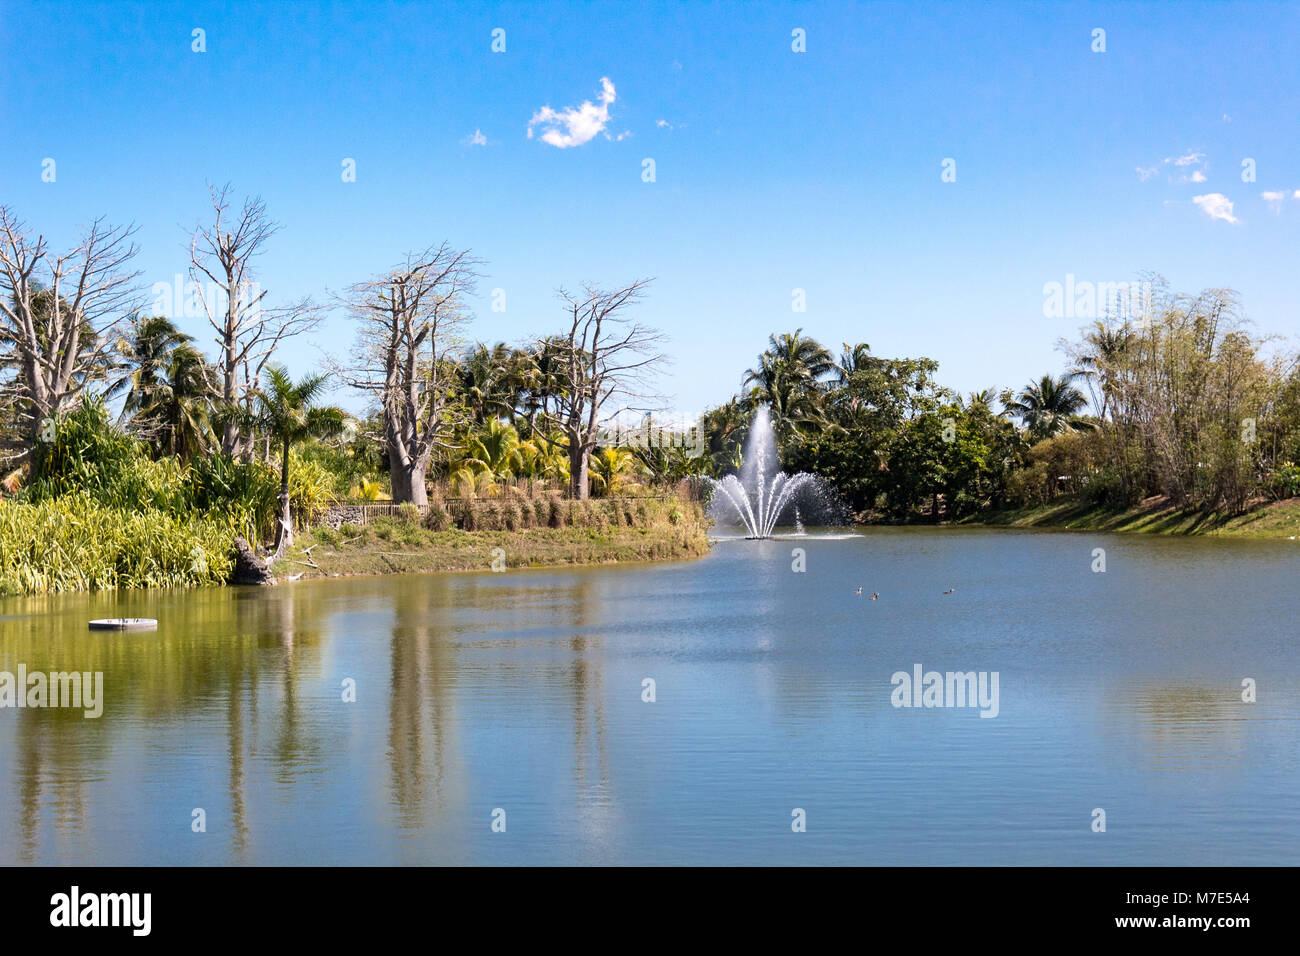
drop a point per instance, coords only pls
(327, 536)
(1284, 480)
(438, 518)
(75, 543)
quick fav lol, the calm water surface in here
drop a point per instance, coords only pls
(522, 691)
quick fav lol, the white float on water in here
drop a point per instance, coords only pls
(124, 624)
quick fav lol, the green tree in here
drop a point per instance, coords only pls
(141, 360)
(1048, 406)
(289, 413)
(789, 379)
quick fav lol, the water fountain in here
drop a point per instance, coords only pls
(761, 492)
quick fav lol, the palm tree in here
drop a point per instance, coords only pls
(795, 350)
(1099, 359)
(287, 412)
(788, 379)
(543, 460)
(143, 356)
(179, 408)
(1050, 405)
(610, 470)
(493, 451)
(492, 380)
(853, 358)
(983, 398)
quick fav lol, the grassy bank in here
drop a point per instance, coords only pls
(593, 532)
(1274, 519)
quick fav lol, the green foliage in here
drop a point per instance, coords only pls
(75, 543)
(1284, 481)
(348, 464)
(438, 517)
(87, 455)
(245, 492)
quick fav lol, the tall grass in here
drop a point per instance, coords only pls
(74, 543)
(100, 513)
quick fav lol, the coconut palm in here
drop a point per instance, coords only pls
(853, 358)
(543, 460)
(611, 470)
(179, 406)
(984, 398)
(1099, 360)
(1048, 406)
(788, 380)
(287, 411)
(493, 449)
(493, 379)
(142, 358)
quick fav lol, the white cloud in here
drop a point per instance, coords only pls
(663, 124)
(1296, 194)
(478, 139)
(1187, 159)
(1275, 199)
(1216, 206)
(575, 125)
(1196, 177)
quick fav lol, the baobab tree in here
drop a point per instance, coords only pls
(409, 321)
(603, 358)
(247, 332)
(58, 314)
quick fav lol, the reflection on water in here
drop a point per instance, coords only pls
(522, 691)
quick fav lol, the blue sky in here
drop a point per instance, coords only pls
(775, 170)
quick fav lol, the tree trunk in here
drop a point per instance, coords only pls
(579, 459)
(408, 482)
(284, 536)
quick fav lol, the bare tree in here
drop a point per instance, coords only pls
(408, 322)
(247, 333)
(58, 313)
(602, 357)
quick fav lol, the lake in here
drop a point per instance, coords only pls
(773, 689)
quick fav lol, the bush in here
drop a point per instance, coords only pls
(1106, 488)
(512, 515)
(1027, 487)
(327, 536)
(557, 511)
(87, 455)
(438, 518)
(75, 543)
